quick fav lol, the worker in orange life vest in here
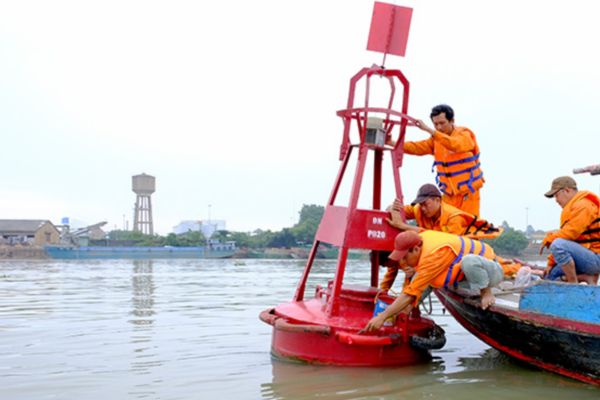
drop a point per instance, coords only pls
(441, 260)
(575, 247)
(456, 159)
(431, 213)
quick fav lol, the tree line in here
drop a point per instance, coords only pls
(511, 242)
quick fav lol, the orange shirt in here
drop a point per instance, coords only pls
(451, 219)
(429, 267)
(459, 141)
(577, 217)
(458, 168)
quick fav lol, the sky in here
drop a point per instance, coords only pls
(231, 104)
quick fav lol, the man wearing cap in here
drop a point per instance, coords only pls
(431, 213)
(575, 247)
(456, 159)
(441, 260)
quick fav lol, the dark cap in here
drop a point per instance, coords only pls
(426, 191)
(403, 243)
(562, 182)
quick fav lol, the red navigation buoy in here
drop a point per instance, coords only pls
(325, 329)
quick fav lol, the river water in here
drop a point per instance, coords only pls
(189, 329)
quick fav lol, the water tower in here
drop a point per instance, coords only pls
(143, 186)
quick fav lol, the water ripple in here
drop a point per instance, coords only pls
(189, 329)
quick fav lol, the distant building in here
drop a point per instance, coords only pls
(37, 232)
(208, 228)
(216, 245)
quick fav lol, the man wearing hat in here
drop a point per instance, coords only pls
(441, 260)
(575, 247)
(431, 213)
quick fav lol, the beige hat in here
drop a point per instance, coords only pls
(562, 182)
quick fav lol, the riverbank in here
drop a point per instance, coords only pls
(297, 253)
(22, 253)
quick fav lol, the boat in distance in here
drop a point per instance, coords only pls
(63, 252)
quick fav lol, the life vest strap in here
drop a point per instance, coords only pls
(469, 182)
(588, 240)
(459, 258)
(455, 162)
(456, 261)
(462, 171)
(482, 250)
(590, 231)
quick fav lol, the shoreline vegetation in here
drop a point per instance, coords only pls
(289, 243)
(298, 253)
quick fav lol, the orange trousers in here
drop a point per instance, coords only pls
(467, 202)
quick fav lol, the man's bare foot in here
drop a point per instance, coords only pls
(589, 279)
(487, 298)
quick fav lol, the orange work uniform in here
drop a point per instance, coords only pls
(451, 220)
(579, 221)
(458, 170)
(440, 262)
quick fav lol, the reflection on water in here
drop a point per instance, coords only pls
(143, 290)
(188, 329)
(488, 375)
(144, 357)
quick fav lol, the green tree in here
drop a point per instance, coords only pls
(241, 239)
(172, 240)
(511, 242)
(310, 218)
(284, 238)
(261, 239)
(221, 235)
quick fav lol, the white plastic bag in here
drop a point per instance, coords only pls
(523, 277)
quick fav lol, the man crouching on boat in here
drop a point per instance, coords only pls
(441, 260)
(575, 247)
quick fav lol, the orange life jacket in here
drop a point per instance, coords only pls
(461, 246)
(457, 172)
(590, 237)
(470, 226)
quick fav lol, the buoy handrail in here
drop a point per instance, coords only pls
(268, 317)
(355, 113)
(367, 340)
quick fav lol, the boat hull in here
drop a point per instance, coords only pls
(564, 346)
(144, 253)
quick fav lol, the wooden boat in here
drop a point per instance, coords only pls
(552, 325)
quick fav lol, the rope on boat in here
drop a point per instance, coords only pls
(426, 297)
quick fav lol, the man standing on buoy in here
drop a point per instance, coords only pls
(456, 159)
(441, 260)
